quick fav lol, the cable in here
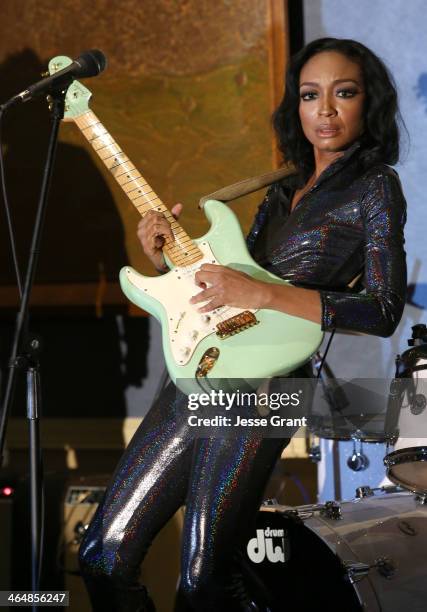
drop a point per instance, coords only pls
(7, 210)
(325, 353)
(298, 483)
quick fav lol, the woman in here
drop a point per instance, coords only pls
(342, 213)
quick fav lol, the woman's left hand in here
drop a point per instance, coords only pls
(223, 286)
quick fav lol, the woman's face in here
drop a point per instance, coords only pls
(331, 101)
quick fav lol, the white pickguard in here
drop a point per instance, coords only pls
(186, 326)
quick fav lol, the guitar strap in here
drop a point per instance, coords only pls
(248, 185)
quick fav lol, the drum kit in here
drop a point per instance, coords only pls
(368, 553)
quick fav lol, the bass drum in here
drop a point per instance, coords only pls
(367, 554)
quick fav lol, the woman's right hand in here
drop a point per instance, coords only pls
(153, 230)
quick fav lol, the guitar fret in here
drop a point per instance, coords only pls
(128, 178)
(184, 261)
(188, 250)
(116, 161)
(96, 133)
(181, 239)
(181, 235)
(134, 179)
(120, 170)
(186, 246)
(101, 134)
(184, 242)
(94, 121)
(101, 144)
(112, 160)
(150, 203)
(130, 186)
(181, 251)
(139, 190)
(156, 197)
(181, 231)
(181, 254)
(109, 151)
(139, 194)
(96, 127)
(114, 153)
(178, 232)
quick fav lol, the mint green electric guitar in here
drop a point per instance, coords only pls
(227, 343)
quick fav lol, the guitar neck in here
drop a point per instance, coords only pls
(181, 251)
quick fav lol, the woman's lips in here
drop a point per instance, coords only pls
(327, 132)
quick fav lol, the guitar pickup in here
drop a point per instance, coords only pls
(236, 324)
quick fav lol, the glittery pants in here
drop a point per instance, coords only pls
(221, 482)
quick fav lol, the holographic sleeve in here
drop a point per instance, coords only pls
(377, 310)
(259, 220)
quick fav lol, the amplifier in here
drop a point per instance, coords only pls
(81, 502)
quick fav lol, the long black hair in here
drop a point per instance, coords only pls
(380, 140)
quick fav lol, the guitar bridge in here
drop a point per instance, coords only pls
(236, 324)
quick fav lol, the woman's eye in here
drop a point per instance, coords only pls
(346, 93)
(308, 95)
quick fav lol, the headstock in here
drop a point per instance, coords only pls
(77, 96)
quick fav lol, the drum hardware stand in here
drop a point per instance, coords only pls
(25, 354)
(358, 461)
(334, 394)
(394, 405)
(337, 401)
(367, 491)
(330, 510)
(411, 369)
(356, 570)
(313, 451)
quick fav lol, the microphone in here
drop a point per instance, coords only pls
(88, 64)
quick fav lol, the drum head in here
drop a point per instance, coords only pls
(408, 468)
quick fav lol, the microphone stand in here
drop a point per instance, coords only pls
(24, 356)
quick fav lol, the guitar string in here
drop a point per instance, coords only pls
(221, 315)
(99, 132)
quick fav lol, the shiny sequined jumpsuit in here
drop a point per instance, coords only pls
(350, 221)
